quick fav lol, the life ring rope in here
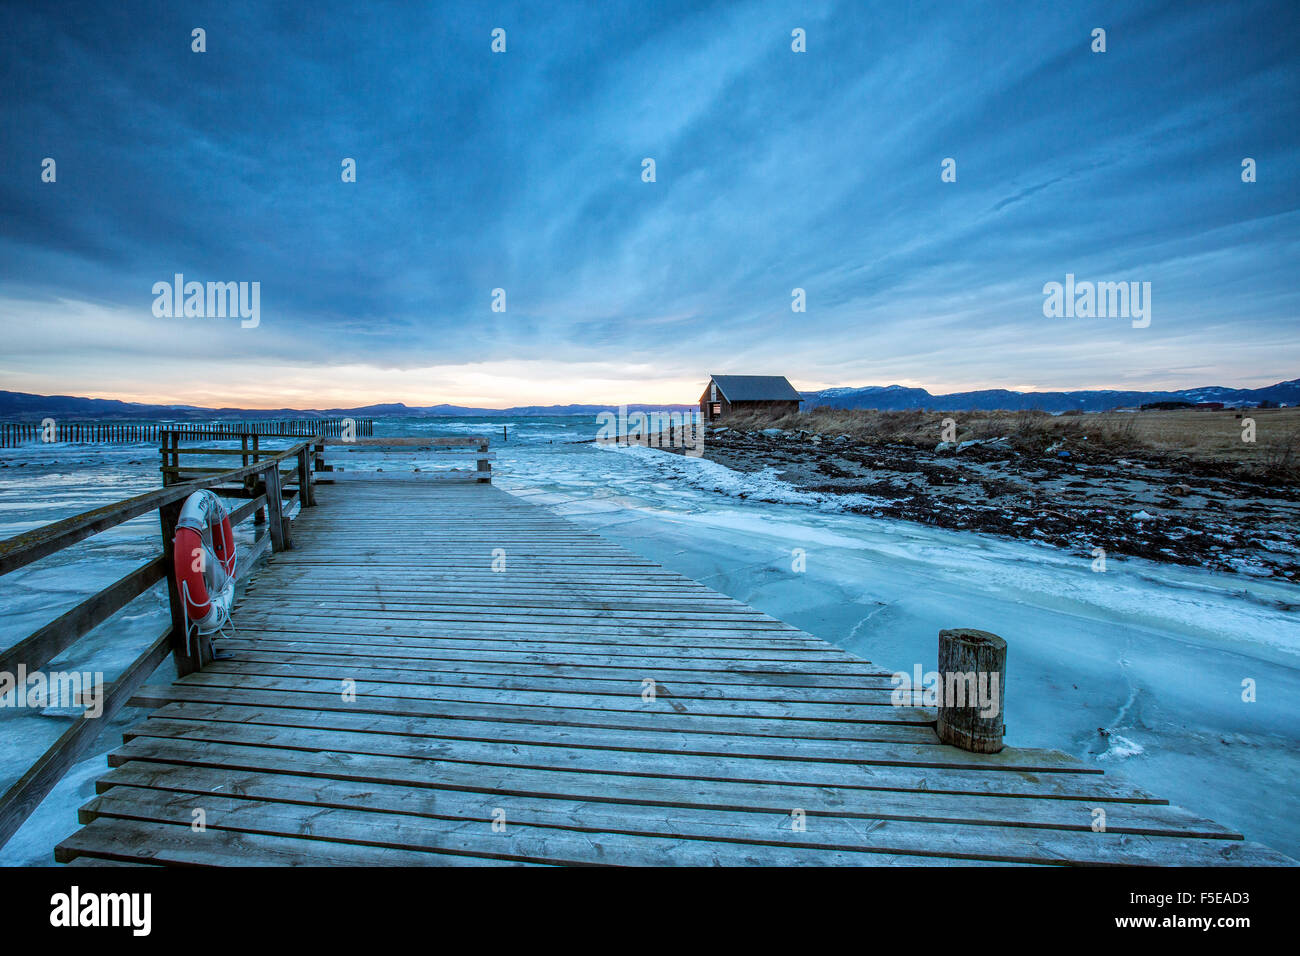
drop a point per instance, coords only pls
(206, 586)
(192, 627)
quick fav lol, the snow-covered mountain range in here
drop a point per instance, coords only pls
(898, 397)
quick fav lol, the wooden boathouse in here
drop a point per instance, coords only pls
(770, 394)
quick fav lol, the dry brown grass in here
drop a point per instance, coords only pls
(1194, 435)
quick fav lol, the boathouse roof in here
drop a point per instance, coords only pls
(756, 388)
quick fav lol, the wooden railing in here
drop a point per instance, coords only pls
(479, 454)
(250, 451)
(261, 481)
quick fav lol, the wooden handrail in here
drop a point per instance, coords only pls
(46, 643)
(32, 787)
(228, 452)
(51, 640)
(482, 471)
(32, 545)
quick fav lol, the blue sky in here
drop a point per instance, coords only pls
(522, 171)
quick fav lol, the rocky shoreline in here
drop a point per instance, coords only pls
(1181, 511)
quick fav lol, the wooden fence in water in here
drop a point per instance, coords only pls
(14, 434)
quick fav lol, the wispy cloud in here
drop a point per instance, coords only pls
(521, 171)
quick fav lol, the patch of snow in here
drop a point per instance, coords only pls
(1120, 748)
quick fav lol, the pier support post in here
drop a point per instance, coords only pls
(170, 458)
(278, 524)
(260, 516)
(306, 494)
(972, 691)
(250, 481)
(320, 467)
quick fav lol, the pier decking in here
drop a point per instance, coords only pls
(442, 673)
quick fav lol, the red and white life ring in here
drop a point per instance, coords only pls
(204, 551)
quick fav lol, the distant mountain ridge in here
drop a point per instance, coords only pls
(899, 398)
(24, 406)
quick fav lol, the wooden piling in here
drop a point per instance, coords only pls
(972, 690)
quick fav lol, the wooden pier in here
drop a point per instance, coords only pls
(443, 673)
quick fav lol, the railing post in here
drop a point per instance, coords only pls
(187, 659)
(279, 524)
(260, 516)
(306, 493)
(484, 466)
(164, 452)
(249, 481)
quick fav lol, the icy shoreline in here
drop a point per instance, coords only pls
(1139, 668)
(1199, 514)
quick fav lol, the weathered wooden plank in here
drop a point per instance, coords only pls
(327, 578)
(470, 625)
(637, 791)
(918, 722)
(256, 503)
(522, 677)
(575, 611)
(679, 694)
(501, 592)
(459, 441)
(93, 861)
(461, 820)
(380, 646)
(451, 474)
(414, 656)
(520, 842)
(176, 844)
(742, 671)
(683, 774)
(735, 757)
(663, 730)
(507, 617)
(600, 698)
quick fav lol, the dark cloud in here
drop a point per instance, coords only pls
(775, 170)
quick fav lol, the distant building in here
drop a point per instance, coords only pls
(747, 393)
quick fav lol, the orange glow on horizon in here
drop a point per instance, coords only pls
(511, 394)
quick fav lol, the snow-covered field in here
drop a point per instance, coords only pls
(1140, 668)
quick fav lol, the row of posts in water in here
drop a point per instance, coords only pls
(50, 430)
